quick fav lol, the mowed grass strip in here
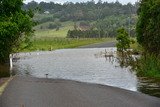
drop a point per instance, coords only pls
(44, 44)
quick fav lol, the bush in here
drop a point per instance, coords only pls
(123, 40)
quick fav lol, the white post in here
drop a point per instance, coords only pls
(11, 63)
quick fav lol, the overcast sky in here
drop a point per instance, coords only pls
(62, 1)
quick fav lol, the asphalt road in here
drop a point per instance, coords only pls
(100, 45)
(34, 92)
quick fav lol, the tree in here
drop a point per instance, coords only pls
(123, 40)
(15, 27)
(148, 26)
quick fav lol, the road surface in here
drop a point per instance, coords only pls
(100, 45)
(34, 92)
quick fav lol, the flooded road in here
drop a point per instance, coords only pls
(85, 65)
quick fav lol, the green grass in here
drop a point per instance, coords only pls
(47, 39)
(61, 43)
(62, 32)
(149, 66)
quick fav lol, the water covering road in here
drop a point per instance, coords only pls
(85, 65)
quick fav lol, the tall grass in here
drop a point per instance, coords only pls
(149, 66)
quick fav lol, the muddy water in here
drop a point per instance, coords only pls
(86, 65)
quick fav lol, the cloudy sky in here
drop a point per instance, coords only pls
(62, 1)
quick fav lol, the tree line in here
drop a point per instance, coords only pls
(83, 10)
(102, 16)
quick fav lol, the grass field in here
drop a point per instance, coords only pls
(50, 39)
(43, 44)
(62, 32)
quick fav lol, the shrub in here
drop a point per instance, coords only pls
(123, 40)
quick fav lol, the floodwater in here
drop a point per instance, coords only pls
(85, 65)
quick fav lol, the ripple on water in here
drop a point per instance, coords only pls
(86, 65)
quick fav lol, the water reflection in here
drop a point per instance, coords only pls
(149, 86)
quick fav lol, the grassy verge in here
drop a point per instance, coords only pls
(148, 64)
(61, 43)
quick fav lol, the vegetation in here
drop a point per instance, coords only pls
(148, 38)
(61, 43)
(148, 32)
(148, 35)
(82, 11)
(42, 30)
(123, 40)
(102, 16)
(149, 66)
(85, 34)
(15, 27)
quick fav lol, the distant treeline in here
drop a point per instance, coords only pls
(100, 17)
(84, 10)
(86, 34)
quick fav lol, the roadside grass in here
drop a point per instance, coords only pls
(49, 43)
(149, 66)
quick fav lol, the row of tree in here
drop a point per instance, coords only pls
(84, 10)
(86, 34)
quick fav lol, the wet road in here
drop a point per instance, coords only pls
(34, 92)
(100, 45)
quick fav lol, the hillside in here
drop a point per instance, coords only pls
(57, 19)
